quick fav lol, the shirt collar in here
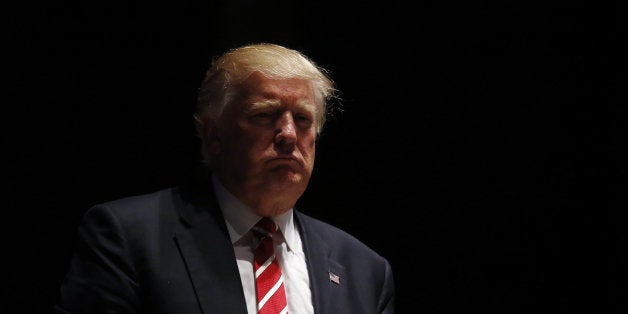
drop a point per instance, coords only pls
(240, 218)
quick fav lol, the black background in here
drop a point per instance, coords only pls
(481, 149)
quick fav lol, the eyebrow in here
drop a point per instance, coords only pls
(275, 103)
(263, 104)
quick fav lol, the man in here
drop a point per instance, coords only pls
(199, 248)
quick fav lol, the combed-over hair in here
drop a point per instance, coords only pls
(272, 61)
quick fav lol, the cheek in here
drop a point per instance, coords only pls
(213, 147)
(308, 150)
(234, 142)
(251, 146)
(257, 140)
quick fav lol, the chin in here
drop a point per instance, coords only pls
(288, 178)
(285, 179)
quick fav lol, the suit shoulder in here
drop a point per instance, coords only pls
(334, 236)
(316, 224)
(141, 200)
(137, 207)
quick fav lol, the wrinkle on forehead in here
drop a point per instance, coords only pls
(258, 92)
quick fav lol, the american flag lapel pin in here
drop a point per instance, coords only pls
(334, 278)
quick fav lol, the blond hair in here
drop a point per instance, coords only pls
(271, 60)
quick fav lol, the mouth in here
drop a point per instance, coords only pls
(286, 161)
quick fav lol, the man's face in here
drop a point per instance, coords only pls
(265, 145)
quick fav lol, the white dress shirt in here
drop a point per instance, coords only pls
(288, 250)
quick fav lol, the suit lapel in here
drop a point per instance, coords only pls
(322, 269)
(206, 249)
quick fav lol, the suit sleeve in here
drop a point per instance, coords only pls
(101, 278)
(387, 300)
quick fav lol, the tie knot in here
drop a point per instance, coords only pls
(265, 227)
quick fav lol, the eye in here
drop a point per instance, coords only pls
(262, 115)
(266, 114)
(262, 118)
(304, 120)
(302, 117)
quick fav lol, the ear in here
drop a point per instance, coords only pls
(208, 133)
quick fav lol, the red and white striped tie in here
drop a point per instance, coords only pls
(271, 295)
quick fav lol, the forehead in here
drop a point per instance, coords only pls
(285, 91)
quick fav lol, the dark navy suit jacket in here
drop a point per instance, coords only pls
(170, 252)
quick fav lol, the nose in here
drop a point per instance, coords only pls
(285, 128)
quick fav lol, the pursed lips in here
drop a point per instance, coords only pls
(286, 161)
